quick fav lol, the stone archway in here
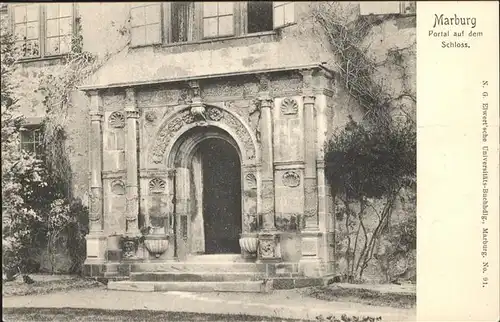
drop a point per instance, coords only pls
(177, 147)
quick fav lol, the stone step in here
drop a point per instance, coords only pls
(196, 276)
(188, 267)
(226, 286)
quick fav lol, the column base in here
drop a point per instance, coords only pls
(96, 248)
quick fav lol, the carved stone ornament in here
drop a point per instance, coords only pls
(95, 206)
(150, 116)
(118, 187)
(266, 248)
(291, 179)
(129, 247)
(156, 185)
(185, 117)
(251, 181)
(289, 106)
(117, 120)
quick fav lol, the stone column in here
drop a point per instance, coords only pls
(96, 241)
(132, 215)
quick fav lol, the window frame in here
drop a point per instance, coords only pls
(42, 28)
(35, 131)
(235, 16)
(161, 38)
(401, 9)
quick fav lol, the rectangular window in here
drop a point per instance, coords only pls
(27, 29)
(31, 140)
(218, 19)
(284, 13)
(259, 16)
(58, 28)
(386, 7)
(43, 29)
(182, 17)
(145, 23)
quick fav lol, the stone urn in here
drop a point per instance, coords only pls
(249, 244)
(156, 244)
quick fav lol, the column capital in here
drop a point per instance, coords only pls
(131, 113)
(96, 116)
(266, 101)
(309, 99)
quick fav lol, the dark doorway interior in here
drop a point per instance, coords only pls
(221, 197)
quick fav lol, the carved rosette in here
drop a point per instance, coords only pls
(150, 116)
(156, 186)
(266, 248)
(117, 120)
(291, 179)
(185, 117)
(289, 106)
(251, 181)
(118, 187)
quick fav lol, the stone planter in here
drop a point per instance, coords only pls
(249, 244)
(156, 244)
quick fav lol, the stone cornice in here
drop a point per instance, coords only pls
(318, 66)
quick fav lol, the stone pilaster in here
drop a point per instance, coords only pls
(132, 214)
(268, 238)
(310, 173)
(96, 241)
(267, 171)
(311, 243)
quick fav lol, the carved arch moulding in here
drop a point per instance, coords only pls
(187, 117)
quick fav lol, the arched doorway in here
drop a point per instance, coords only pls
(221, 196)
(209, 160)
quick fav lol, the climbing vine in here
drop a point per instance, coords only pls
(371, 163)
(361, 72)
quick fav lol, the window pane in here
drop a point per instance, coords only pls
(225, 25)
(65, 26)
(210, 27)
(138, 36)
(153, 14)
(52, 27)
(209, 9)
(65, 44)
(20, 14)
(153, 34)
(27, 136)
(52, 10)
(32, 12)
(65, 10)
(138, 16)
(20, 31)
(289, 13)
(52, 46)
(28, 147)
(225, 8)
(32, 30)
(279, 17)
(33, 47)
